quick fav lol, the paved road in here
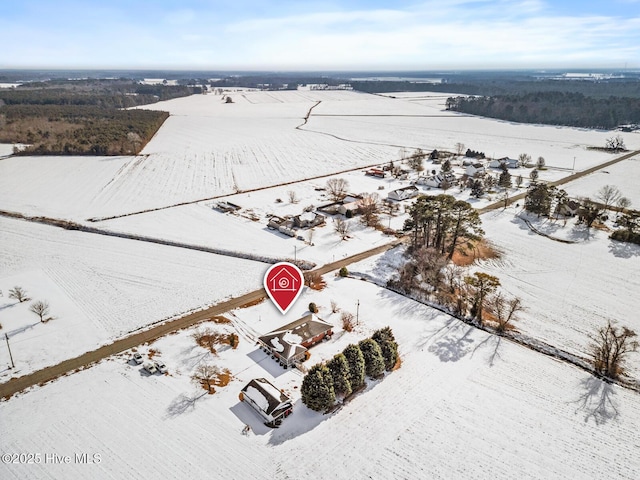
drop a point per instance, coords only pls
(49, 373)
(562, 181)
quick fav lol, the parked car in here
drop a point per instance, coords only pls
(150, 367)
(137, 358)
(161, 367)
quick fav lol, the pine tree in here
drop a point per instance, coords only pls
(388, 345)
(339, 369)
(505, 177)
(356, 366)
(373, 360)
(317, 388)
(477, 188)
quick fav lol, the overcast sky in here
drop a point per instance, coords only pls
(320, 35)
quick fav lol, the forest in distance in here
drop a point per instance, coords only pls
(83, 117)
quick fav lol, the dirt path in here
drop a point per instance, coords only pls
(47, 374)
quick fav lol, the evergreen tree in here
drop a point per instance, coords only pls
(339, 369)
(356, 366)
(505, 177)
(317, 388)
(373, 360)
(477, 188)
(539, 198)
(388, 345)
(446, 166)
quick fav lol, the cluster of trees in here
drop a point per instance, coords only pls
(78, 129)
(40, 307)
(83, 117)
(345, 373)
(443, 223)
(546, 200)
(555, 108)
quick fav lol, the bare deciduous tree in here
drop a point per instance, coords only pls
(609, 349)
(533, 175)
(505, 311)
(524, 159)
(608, 195)
(615, 144)
(19, 294)
(337, 188)
(40, 308)
(459, 148)
(206, 375)
(369, 205)
(540, 163)
(342, 228)
(293, 197)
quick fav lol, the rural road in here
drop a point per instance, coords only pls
(47, 374)
(562, 181)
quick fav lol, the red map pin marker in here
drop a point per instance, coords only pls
(283, 282)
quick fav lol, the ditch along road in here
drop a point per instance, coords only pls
(40, 377)
(47, 374)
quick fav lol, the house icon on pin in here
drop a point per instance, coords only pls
(283, 281)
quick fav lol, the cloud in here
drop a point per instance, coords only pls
(430, 34)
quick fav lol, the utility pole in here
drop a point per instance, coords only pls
(6, 337)
(358, 313)
(573, 169)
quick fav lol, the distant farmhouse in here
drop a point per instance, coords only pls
(509, 162)
(265, 398)
(404, 193)
(288, 345)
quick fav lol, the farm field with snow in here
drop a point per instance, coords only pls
(569, 289)
(100, 288)
(463, 404)
(623, 175)
(208, 148)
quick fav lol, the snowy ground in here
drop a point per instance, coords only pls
(569, 290)
(623, 175)
(209, 148)
(463, 405)
(100, 288)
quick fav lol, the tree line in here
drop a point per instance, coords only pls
(345, 373)
(78, 129)
(554, 108)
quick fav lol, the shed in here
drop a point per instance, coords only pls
(475, 169)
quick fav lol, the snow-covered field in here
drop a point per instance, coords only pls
(623, 175)
(208, 148)
(100, 288)
(569, 290)
(463, 405)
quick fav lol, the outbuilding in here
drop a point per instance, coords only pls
(272, 404)
(404, 193)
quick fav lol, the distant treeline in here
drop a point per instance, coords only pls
(131, 96)
(553, 108)
(84, 117)
(495, 86)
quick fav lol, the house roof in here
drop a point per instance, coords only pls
(265, 395)
(287, 340)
